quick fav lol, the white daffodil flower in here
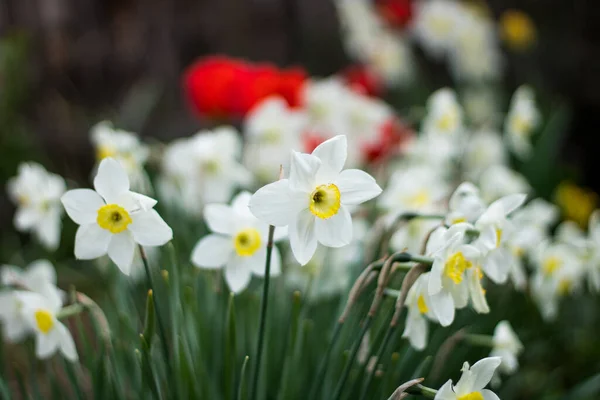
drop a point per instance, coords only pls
(39, 277)
(495, 228)
(444, 114)
(50, 334)
(418, 303)
(522, 120)
(36, 192)
(324, 100)
(112, 219)
(507, 346)
(239, 243)
(484, 149)
(14, 325)
(124, 147)
(435, 25)
(272, 129)
(465, 204)
(418, 188)
(314, 200)
(411, 235)
(471, 384)
(499, 181)
(448, 287)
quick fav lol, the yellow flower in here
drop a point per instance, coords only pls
(577, 203)
(517, 30)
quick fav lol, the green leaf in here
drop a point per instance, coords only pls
(230, 350)
(242, 388)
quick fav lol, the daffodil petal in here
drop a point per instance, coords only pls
(91, 242)
(26, 218)
(303, 171)
(111, 181)
(442, 305)
(66, 343)
(332, 153)
(489, 395)
(276, 204)
(237, 274)
(303, 238)
(212, 251)
(82, 205)
(121, 250)
(46, 344)
(356, 187)
(219, 218)
(446, 392)
(335, 231)
(483, 370)
(149, 229)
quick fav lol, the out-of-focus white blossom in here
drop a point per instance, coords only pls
(521, 122)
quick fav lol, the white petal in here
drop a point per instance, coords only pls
(446, 392)
(335, 231)
(91, 241)
(512, 202)
(212, 251)
(42, 270)
(276, 204)
(48, 230)
(258, 260)
(133, 202)
(111, 180)
(237, 274)
(219, 218)
(357, 186)
(303, 239)
(303, 171)
(149, 229)
(121, 250)
(26, 218)
(66, 343)
(435, 279)
(489, 395)
(241, 202)
(332, 153)
(483, 370)
(46, 344)
(496, 266)
(82, 205)
(442, 305)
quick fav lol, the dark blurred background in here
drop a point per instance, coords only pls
(71, 63)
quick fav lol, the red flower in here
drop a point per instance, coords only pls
(398, 13)
(291, 85)
(362, 80)
(393, 135)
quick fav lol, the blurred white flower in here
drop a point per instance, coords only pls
(452, 257)
(411, 235)
(522, 120)
(465, 204)
(14, 326)
(444, 114)
(239, 243)
(39, 277)
(484, 149)
(36, 192)
(435, 25)
(499, 180)
(113, 219)
(507, 346)
(272, 129)
(418, 303)
(314, 200)
(50, 334)
(472, 382)
(126, 148)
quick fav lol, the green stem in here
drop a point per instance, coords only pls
(69, 311)
(263, 314)
(388, 336)
(159, 321)
(480, 340)
(325, 362)
(341, 384)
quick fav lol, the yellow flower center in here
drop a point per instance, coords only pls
(498, 237)
(447, 122)
(104, 151)
(44, 321)
(455, 267)
(422, 305)
(472, 396)
(23, 200)
(210, 167)
(564, 287)
(419, 199)
(551, 264)
(458, 220)
(521, 125)
(272, 136)
(517, 29)
(246, 242)
(325, 201)
(113, 218)
(518, 251)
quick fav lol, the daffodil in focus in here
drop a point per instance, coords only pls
(418, 303)
(507, 346)
(472, 383)
(36, 193)
(50, 334)
(124, 147)
(112, 219)
(521, 122)
(314, 200)
(239, 243)
(272, 130)
(453, 258)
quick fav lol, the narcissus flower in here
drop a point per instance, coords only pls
(113, 219)
(314, 200)
(39, 277)
(36, 192)
(522, 120)
(472, 382)
(507, 346)
(418, 303)
(239, 243)
(50, 334)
